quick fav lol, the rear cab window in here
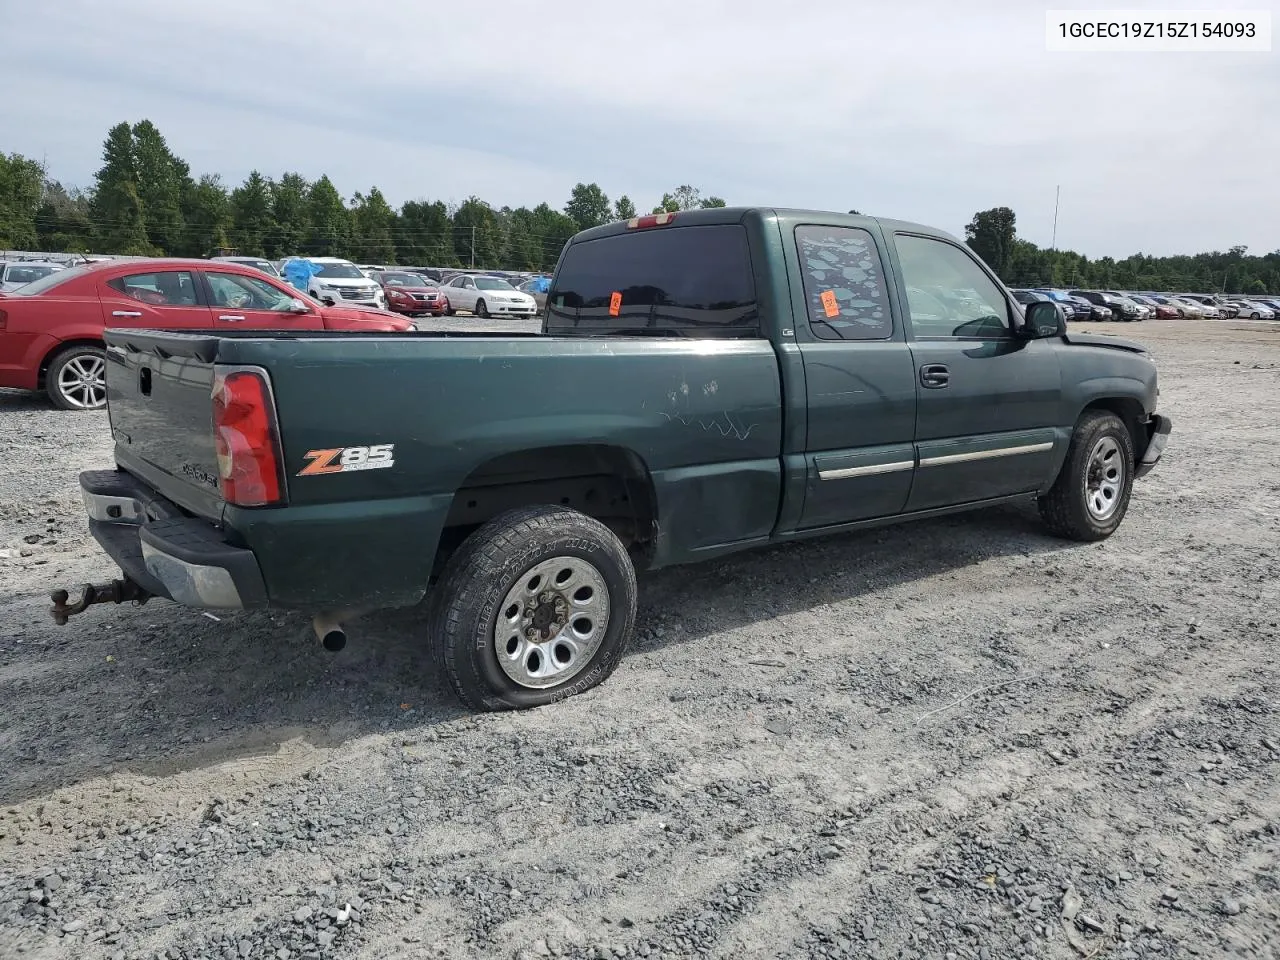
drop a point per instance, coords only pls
(679, 281)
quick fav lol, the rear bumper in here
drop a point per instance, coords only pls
(1158, 429)
(166, 552)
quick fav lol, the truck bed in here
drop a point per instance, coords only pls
(469, 417)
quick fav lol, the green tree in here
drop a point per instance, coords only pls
(329, 219)
(623, 208)
(207, 211)
(21, 189)
(253, 223)
(552, 230)
(425, 236)
(289, 211)
(855, 213)
(685, 197)
(373, 228)
(990, 234)
(588, 206)
(476, 237)
(62, 220)
(116, 208)
(163, 182)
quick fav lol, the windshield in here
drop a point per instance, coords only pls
(25, 274)
(47, 282)
(402, 280)
(492, 283)
(339, 271)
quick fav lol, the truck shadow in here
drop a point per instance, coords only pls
(162, 690)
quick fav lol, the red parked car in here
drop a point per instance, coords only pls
(411, 293)
(51, 328)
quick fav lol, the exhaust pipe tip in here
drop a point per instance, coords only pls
(330, 633)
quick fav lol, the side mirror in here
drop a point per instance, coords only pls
(297, 306)
(1043, 319)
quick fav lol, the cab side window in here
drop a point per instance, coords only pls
(948, 294)
(844, 286)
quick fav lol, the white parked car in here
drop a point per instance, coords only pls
(15, 273)
(266, 266)
(341, 282)
(488, 297)
(1251, 310)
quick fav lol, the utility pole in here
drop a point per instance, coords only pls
(473, 246)
(1054, 242)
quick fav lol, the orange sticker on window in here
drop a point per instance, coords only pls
(615, 303)
(829, 305)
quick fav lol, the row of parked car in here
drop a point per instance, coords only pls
(412, 291)
(1129, 306)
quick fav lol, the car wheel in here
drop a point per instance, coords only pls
(1255, 316)
(536, 606)
(77, 379)
(1091, 495)
(482, 310)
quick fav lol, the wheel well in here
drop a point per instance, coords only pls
(611, 484)
(61, 346)
(1130, 413)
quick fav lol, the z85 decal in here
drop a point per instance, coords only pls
(347, 459)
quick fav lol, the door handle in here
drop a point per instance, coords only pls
(935, 375)
(126, 313)
(230, 316)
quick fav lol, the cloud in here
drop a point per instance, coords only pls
(921, 110)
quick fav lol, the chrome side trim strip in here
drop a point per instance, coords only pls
(985, 454)
(875, 469)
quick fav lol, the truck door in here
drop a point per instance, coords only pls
(859, 378)
(988, 401)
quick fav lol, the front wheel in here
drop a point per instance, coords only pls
(536, 606)
(482, 310)
(77, 379)
(1091, 495)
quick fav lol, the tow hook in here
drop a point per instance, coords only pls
(117, 591)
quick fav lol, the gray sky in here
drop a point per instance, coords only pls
(922, 109)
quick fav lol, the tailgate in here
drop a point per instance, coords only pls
(159, 389)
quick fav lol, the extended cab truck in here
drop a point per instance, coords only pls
(705, 382)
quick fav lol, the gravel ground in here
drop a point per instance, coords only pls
(953, 739)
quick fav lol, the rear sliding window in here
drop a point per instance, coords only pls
(665, 282)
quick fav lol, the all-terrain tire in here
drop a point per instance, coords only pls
(1066, 509)
(469, 598)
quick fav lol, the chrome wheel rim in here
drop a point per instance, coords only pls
(82, 381)
(551, 622)
(1104, 478)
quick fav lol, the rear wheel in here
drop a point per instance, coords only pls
(536, 606)
(77, 379)
(1091, 495)
(482, 310)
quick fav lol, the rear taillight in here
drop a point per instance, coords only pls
(653, 220)
(247, 441)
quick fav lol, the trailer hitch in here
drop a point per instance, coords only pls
(117, 591)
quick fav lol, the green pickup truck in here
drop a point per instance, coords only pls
(704, 382)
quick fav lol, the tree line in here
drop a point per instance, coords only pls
(145, 201)
(992, 234)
